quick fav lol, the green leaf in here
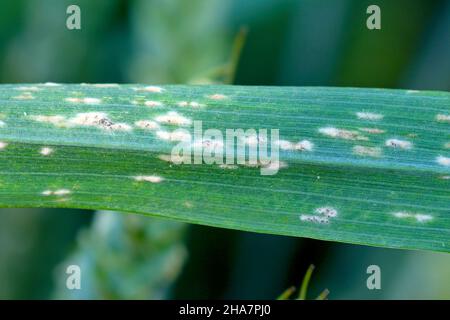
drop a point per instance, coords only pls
(367, 166)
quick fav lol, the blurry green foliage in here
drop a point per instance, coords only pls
(124, 257)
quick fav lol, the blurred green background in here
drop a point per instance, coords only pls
(289, 42)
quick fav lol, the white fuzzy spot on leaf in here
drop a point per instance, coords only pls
(444, 161)
(86, 100)
(443, 118)
(89, 119)
(173, 118)
(101, 85)
(217, 96)
(59, 192)
(419, 217)
(327, 211)
(152, 179)
(397, 143)
(46, 151)
(153, 89)
(24, 96)
(342, 133)
(369, 116)
(147, 124)
(32, 88)
(192, 104)
(152, 104)
(423, 217)
(367, 151)
(285, 144)
(372, 130)
(304, 145)
(313, 218)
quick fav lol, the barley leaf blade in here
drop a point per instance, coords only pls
(367, 166)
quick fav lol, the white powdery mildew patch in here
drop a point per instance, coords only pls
(322, 215)
(423, 217)
(2, 123)
(217, 96)
(312, 218)
(99, 120)
(327, 211)
(372, 130)
(146, 124)
(443, 118)
(46, 151)
(101, 85)
(152, 179)
(304, 145)
(285, 144)
(192, 104)
(3, 145)
(369, 116)
(397, 143)
(342, 133)
(86, 100)
(32, 88)
(62, 192)
(88, 119)
(153, 89)
(173, 118)
(447, 145)
(152, 104)
(59, 192)
(176, 135)
(51, 84)
(195, 104)
(402, 214)
(419, 217)
(412, 91)
(444, 161)
(119, 127)
(24, 96)
(367, 151)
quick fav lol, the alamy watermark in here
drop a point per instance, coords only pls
(373, 22)
(250, 147)
(73, 281)
(374, 280)
(73, 21)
